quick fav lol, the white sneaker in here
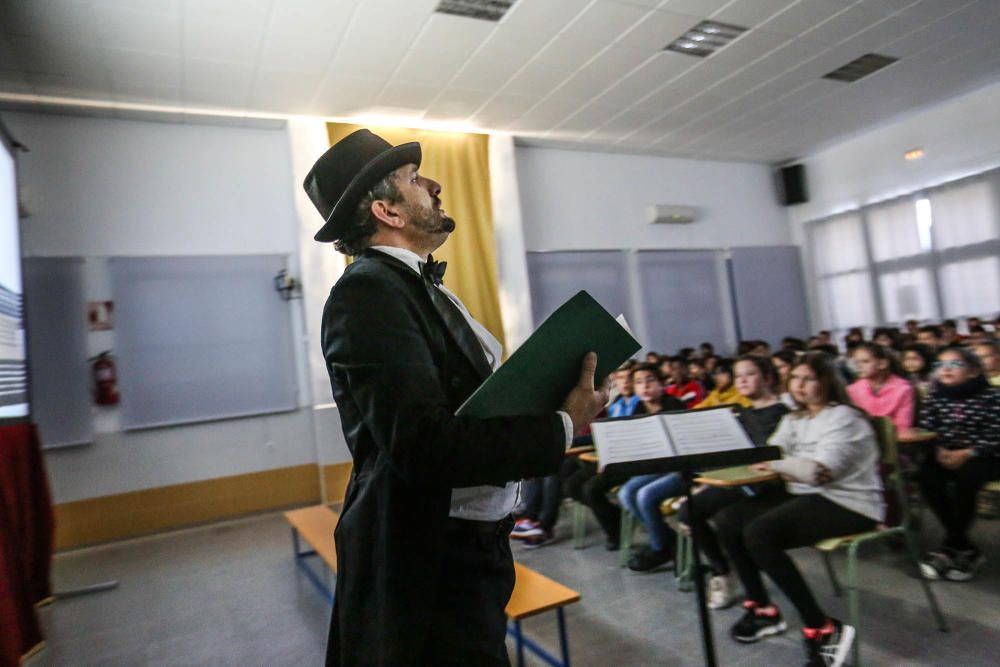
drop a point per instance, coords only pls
(722, 591)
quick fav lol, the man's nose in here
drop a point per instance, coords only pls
(433, 187)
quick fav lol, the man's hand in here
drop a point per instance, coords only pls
(953, 459)
(584, 401)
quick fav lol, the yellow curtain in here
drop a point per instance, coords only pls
(460, 163)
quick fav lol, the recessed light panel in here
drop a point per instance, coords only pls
(860, 67)
(705, 39)
(487, 10)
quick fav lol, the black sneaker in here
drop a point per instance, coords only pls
(647, 559)
(754, 625)
(964, 564)
(934, 564)
(828, 647)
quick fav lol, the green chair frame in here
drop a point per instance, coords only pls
(886, 434)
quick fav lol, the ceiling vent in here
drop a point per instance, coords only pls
(705, 39)
(860, 68)
(487, 10)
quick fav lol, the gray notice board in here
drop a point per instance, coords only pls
(201, 338)
(56, 327)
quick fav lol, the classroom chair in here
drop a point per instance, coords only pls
(886, 434)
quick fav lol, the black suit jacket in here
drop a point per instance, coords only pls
(398, 375)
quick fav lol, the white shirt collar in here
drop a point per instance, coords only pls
(408, 257)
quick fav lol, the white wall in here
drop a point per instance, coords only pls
(100, 187)
(960, 137)
(575, 200)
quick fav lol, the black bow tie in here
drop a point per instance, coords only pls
(434, 270)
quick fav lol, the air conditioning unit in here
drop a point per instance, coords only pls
(658, 214)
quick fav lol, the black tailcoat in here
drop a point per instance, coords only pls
(398, 375)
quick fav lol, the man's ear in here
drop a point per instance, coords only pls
(387, 213)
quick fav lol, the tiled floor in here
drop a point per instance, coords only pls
(230, 594)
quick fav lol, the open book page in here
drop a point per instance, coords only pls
(703, 431)
(623, 440)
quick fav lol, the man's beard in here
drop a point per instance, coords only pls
(431, 221)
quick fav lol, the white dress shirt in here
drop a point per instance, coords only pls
(479, 503)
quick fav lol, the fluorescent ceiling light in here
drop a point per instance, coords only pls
(705, 39)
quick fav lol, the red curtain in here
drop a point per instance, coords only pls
(26, 538)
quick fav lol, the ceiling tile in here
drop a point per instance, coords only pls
(67, 21)
(650, 77)
(231, 42)
(502, 108)
(128, 66)
(456, 103)
(207, 74)
(138, 30)
(843, 25)
(802, 16)
(215, 98)
(750, 13)
(605, 21)
(274, 87)
(343, 94)
(748, 47)
(658, 29)
(699, 8)
(404, 95)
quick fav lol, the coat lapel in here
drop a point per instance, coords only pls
(451, 317)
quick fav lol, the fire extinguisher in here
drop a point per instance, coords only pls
(105, 379)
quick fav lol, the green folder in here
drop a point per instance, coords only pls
(538, 376)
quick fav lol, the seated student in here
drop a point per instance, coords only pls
(755, 380)
(977, 334)
(930, 336)
(964, 410)
(706, 349)
(761, 348)
(590, 487)
(725, 391)
(918, 367)
(697, 371)
(832, 489)
(989, 354)
(880, 391)
(783, 360)
(682, 387)
(626, 400)
(887, 337)
(652, 358)
(642, 494)
(949, 334)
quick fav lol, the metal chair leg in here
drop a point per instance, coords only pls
(563, 639)
(837, 591)
(626, 529)
(519, 641)
(579, 524)
(853, 609)
(684, 559)
(928, 591)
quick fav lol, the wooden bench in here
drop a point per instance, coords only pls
(534, 593)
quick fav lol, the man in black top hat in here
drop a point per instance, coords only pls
(424, 563)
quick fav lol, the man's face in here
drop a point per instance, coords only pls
(421, 207)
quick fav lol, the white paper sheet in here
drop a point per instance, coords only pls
(630, 440)
(703, 431)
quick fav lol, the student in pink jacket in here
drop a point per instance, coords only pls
(881, 390)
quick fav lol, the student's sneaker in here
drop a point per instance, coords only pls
(964, 565)
(647, 559)
(757, 623)
(540, 540)
(935, 563)
(722, 591)
(828, 646)
(525, 528)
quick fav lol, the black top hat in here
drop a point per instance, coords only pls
(349, 169)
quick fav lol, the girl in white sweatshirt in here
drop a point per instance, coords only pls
(832, 489)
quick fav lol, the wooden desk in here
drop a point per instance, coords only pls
(577, 451)
(589, 457)
(914, 436)
(735, 476)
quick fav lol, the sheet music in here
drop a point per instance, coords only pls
(703, 431)
(625, 440)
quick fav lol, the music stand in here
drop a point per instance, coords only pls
(687, 466)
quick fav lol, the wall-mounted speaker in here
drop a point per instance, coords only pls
(791, 185)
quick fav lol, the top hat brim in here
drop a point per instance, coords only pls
(373, 172)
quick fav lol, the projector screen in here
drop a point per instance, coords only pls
(13, 356)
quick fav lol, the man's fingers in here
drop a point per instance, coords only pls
(588, 370)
